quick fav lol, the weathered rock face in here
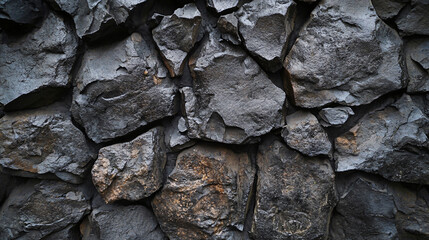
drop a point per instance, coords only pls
(176, 35)
(417, 58)
(345, 54)
(121, 87)
(40, 142)
(372, 208)
(221, 6)
(335, 116)
(391, 142)
(387, 9)
(414, 19)
(23, 82)
(21, 12)
(228, 26)
(39, 208)
(131, 170)
(175, 135)
(207, 194)
(299, 204)
(265, 27)
(232, 99)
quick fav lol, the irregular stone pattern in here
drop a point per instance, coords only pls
(176, 35)
(20, 61)
(345, 54)
(39, 208)
(228, 26)
(131, 170)
(43, 141)
(299, 204)
(304, 133)
(391, 142)
(232, 99)
(335, 116)
(23, 12)
(206, 195)
(120, 87)
(417, 59)
(414, 19)
(175, 135)
(266, 27)
(222, 5)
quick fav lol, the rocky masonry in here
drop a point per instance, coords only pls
(214, 119)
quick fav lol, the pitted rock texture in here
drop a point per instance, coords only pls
(120, 87)
(23, 82)
(321, 68)
(176, 35)
(417, 59)
(206, 196)
(392, 142)
(40, 142)
(266, 27)
(232, 99)
(131, 170)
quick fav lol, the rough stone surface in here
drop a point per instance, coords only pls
(232, 100)
(175, 135)
(299, 204)
(43, 141)
(388, 9)
(22, 12)
(335, 116)
(228, 26)
(266, 27)
(414, 18)
(391, 142)
(121, 87)
(176, 35)
(23, 82)
(131, 170)
(345, 54)
(371, 208)
(304, 133)
(417, 59)
(221, 6)
(39, 208)
(206, 195)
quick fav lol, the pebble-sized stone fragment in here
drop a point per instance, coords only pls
(336, 116)
(417, 59)
(228, 26)
(414, 19)
(175, 134)
(131, 170)
(221, 6)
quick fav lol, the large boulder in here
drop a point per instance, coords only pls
(44, 142)
(266, 27)
(206, 195)
(391, 142)
(232, 100)
(414, 18)
(131, 170)
(121, 87)
(34, 68)
(417, 59)
(345, 54)
(176, 35)
(295, 194)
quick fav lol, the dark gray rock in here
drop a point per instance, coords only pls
(265, 27)
(121, 87)
(175, 135)
(388, 9)
(43, 141)
(176, 35)
(69, 233)
(417, 59)
(228, 26)
(23, 81)
(221, 6)
(391, 142)
(233, 100)
(131, 170)
(335, 116)
(414, 18)
(295, 194)
(304, 133)
(4, 182)
(206, 195)
(21, 12)
(39, 208)
(345, 54)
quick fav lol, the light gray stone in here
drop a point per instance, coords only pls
(228, 26)
(221, 6)
(335, 116)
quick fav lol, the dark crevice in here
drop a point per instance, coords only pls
(252, 196)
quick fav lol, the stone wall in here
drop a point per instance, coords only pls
(214, 119)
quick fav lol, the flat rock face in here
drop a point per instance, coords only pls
(265, 27)
(121, 87)
(232, 99)
(44, 141)
(131, 170)
(206, 195)
(345, 54)
(335, 116)
(176, 35)
(387, 9)
(222, 5)
(391, 142)
(304, 133)
(417, 59)
(295, 194)
(25, 12)
(371, 208)
(20, 71)
(414, 19)
(39, 208)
